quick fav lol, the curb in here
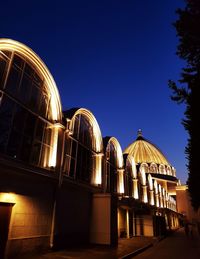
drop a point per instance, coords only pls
(136, 252)
(142, 249)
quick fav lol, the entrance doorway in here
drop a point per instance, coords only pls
(5, 213)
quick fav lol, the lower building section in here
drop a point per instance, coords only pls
(26, 207)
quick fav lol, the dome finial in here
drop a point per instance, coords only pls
(139, 133)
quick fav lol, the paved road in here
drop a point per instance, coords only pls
(177, 246)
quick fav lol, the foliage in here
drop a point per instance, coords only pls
(188, 91)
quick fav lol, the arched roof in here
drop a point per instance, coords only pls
(72, 113)
(144, 151)
(35, 60)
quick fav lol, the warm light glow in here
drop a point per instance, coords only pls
(156, 187)
(7, 197)
(135, 189)
(152, 197)
(53, 151)
(120, 173)
(142, 175)
(26, 52)
(181, 187)
(144, 151)
(150, 182)
(127, 223)
(144, 191)
(120, 161)
(160, 195)
(98, 144)
(133, 166)
(156, 193)
(98, 169)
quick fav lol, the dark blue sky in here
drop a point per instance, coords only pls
(112, 57)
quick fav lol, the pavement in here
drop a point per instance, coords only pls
(176, 246)
(126, 248)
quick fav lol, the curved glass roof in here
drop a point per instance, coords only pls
(145, 152)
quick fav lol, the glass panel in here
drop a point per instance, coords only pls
(47, 137)
(30, 125)
(13, 80)
(44, 161)
(34, 100)
(19, 119)
(25, 149)
(19, 62)
(37, 79)
(43, 105)
(40, 130)
(14, 143)
(25, 89)
(28, 70)
(6, 114)
(35, 156)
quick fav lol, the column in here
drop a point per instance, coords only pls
(120, 173)
(135, 189)
(97, 176)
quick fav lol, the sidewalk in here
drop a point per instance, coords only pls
(125, 247)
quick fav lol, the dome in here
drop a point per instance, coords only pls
(144, 151)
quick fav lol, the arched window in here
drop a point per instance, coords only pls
(27, 106)
(80, 150)
(83, 148)
(114, 167)
(145, 166)
(111, 168)
(153, 168)
(162, 169)
(169, 170)
(128, 179)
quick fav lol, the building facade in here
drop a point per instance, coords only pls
(61, 182)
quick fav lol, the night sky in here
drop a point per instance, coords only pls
(113, 58)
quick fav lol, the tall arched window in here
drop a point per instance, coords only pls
(128, 179)
(79, 148)
(111, 167)
(26, 114)
(83, 147)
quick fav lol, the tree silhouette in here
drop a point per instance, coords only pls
(188, 89)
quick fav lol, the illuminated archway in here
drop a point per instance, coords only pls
(119, 163)
(97, 142)
(31, 56)
(49, 157)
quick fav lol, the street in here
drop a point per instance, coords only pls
(177, 246)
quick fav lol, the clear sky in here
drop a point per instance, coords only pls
(112, 57)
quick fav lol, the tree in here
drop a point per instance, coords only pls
(188, 91)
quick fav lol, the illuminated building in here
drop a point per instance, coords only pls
(61, 183)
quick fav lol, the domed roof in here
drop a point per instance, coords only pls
(145, 152)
